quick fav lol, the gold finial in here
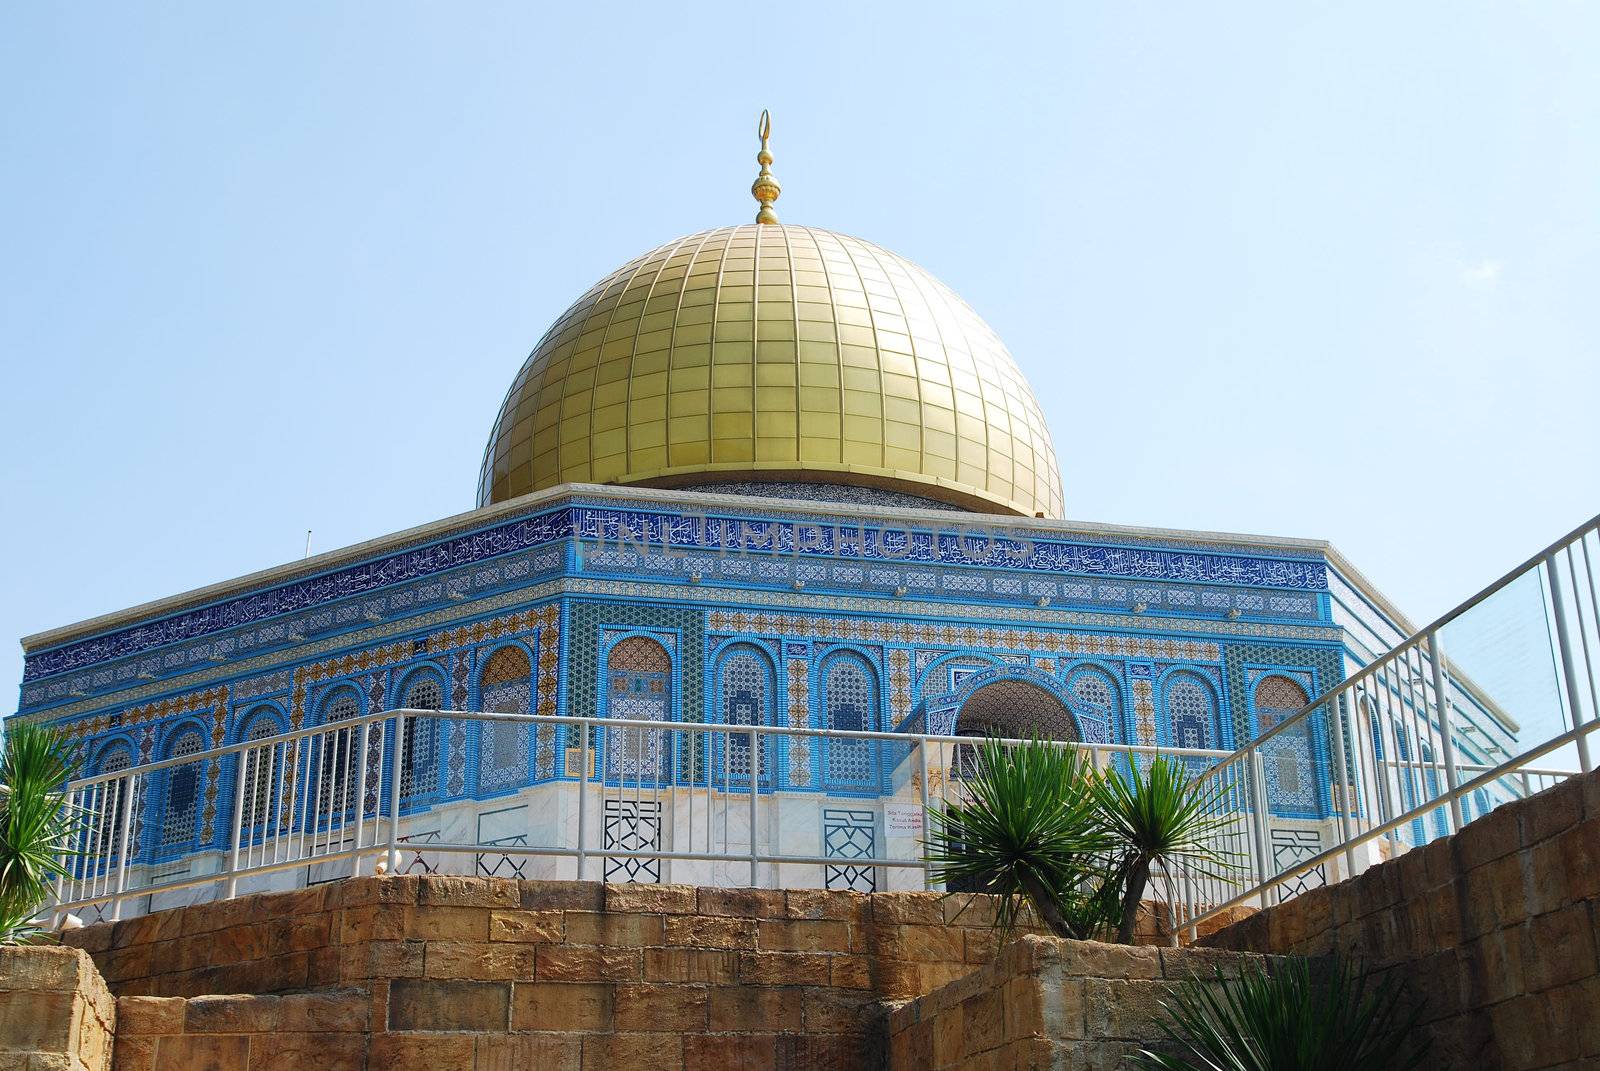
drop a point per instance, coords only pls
(765, 188)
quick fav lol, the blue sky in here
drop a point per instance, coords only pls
(1300, 269)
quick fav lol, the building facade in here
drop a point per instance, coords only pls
(763, 475)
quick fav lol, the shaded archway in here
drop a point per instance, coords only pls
(1016, 709)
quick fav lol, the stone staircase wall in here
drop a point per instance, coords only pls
(1496, 929)
(56, 1013)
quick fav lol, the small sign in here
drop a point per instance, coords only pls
(902, 819)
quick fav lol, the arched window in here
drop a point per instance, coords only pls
(334, 752)
(504, 687)
(1291, 782)
(745, 698)
(1014, 710)
(178, 825)
(639, 688)
(850, 703)
(110, 800)
(260, 766)
(419, 760)
(1191, 711)
(1096, 700)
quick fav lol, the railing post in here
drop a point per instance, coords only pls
(922, 763)
(1569, 669)
(1447, 743)
(391, 853)
(583, 793)
(131, 784)
(755, 783)
(1258, 790)
(1347, 778)
(361, 798)
(232, 888)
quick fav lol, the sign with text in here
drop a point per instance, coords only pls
(902, 819)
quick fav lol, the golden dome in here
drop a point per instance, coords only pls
(769, 352)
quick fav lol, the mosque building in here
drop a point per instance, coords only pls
(762, 474)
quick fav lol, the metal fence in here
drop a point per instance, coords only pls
(1401, 764)
(708, 803)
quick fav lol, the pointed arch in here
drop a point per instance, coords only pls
(639, 687)
(505, 686)
(423, 688)
(183, 787)
(260, 767)
(1095, 698)
(849, 702)
(746, 690)
(1292, 786)
(1190, 703)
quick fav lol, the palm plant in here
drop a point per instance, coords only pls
(1027, 831)
(1160, 816)
(37, 824)
(1285, 1021)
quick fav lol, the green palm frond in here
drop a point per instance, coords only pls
(37, 823)
(1027, 831)
(1288, 1021)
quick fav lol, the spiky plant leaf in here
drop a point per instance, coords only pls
(37, 824)
(1160, 815)
(1027, 831)
(1288, 1021)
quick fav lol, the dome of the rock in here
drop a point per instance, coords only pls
(771, 353)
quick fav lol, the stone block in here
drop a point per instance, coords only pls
(34, 1021)
(745, 903)
(288, 1051)
(420, 1052)
(1022, 1001)
(657, 1052)
(134, 1053)
(1491, 837)
(749, 1009)
(389, 889)
(567, 963)
(238, 944)
(982, 1023)
(478, 960)
(710, 931)
(548, 927)
(1558, 948)
(650, 1007)
(706, 966)
(1550, 812)
(529, 1052)
(850, 972)
(427, 1004)
(150, 1015)
(381, 959)
(803, 935)
(1123, 1009)
(1096, 959)
(625, 930)
(562, 895)
(1580, 858)
(91, 939)
(783, 968)
(235, 1014)
(329, 1011)
(449, 890)
(651, 899)
(433, 923)
(298, 933)
(376, 922)
(837, 1011)
(921, 944)
(1492, 965)
(573, 1006)
(43, 967)
(731, 1052)
(908, 908)
(851, 907)
(202, 1052)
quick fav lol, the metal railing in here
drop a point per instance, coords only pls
(1393, 758)
(620, 800)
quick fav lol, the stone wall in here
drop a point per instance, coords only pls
(56, 1013)
(1048, 1003)
(1497, 929)
(488, 973)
